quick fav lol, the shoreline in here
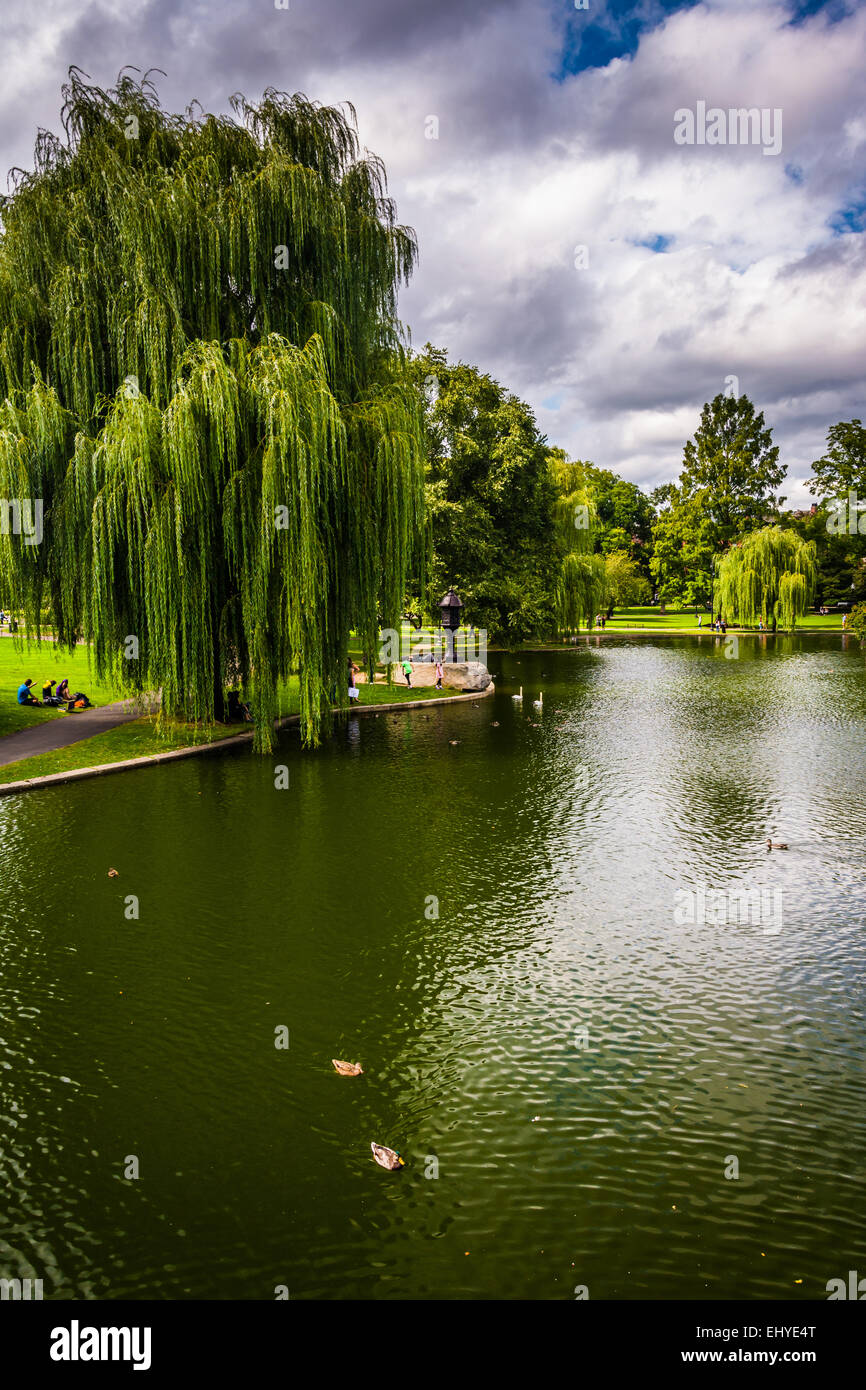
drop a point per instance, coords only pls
(80, 774)
(672, 632)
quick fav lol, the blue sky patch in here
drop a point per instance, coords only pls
(608, 29)
(657, 243)
(850, 218)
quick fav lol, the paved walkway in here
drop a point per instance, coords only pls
(65, 729)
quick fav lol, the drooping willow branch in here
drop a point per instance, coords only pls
(769, 575)
(202, 376)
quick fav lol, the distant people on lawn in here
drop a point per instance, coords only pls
(25, 696)
(351, 672)
(407, 672)
(438, 673)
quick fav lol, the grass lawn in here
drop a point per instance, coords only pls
(43, 661)
(685, 619)
(138, 739)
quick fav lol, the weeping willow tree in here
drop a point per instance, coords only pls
(581, 585)
(203, 379)
(769, 575)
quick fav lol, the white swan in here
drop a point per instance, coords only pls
(520, 696)
(539, 703)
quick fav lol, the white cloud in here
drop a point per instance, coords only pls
(525, 168)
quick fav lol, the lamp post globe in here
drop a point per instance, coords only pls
(450, 607)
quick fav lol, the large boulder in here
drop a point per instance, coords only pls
(456, 675)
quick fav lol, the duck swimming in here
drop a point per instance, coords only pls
(773, 844)
(347, 1068)
(387, 1158)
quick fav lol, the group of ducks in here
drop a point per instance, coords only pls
(385, 1157)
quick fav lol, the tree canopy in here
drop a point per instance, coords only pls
(730, 470)
(490, 499)
(769, 575)
(843, 466)
(202, 376)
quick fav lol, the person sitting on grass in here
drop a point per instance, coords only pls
(48, 696)
(237, 708)
(25, 697)
(64, 696)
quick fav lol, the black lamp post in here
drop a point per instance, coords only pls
(450, 606)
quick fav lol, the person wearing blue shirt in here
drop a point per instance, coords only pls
(24, 696)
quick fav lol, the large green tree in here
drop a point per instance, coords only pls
(683, 552)
(201, 376)
(769, 575)
(490, 500)
(843, 467)
(730, 472)
(624, 516)
(582, 581)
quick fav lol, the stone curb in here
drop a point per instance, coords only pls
(79, 774)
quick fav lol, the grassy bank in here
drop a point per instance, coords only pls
(684, 620)
(43, 661)
(141, 738)
(138, 739)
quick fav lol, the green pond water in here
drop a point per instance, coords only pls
(579, 1063)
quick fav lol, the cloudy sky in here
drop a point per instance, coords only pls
(570, 246)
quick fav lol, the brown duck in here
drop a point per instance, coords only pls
(347, 1068)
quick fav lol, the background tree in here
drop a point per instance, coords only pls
(625, 582)
(840, 555)
(843, 467)
(581, 583)
(857, 622)
(201, 376)
(682, 558)
(730, 471)
(770, 575)
(490, 500)
(624, 516)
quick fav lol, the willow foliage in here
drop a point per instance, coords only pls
(202, 376)
(770, 574)
(581, 587)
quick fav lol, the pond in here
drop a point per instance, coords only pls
(591, 1087)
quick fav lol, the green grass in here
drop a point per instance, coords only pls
(138, 739)
(43, 660)
(685, 620)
